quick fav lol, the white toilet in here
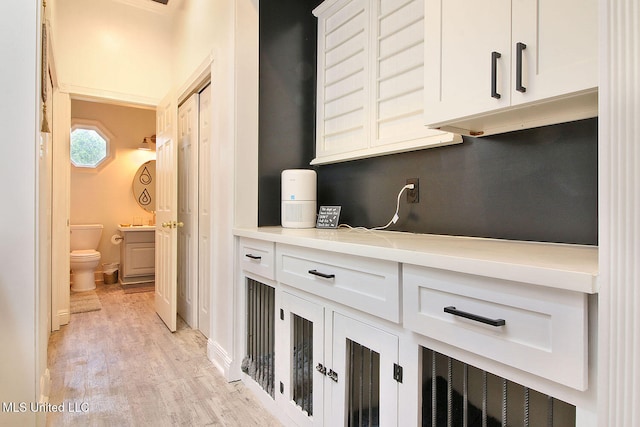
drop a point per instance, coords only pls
(84, 256)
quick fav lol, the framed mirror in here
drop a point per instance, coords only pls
(144, 186)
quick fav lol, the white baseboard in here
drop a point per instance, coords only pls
(221, 359)
(45, 386)
(64, 316)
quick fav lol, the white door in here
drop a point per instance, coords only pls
(300, 345)
(166, 210)
(204, 215)
(188, 211)
(363, 390)
(462, 42)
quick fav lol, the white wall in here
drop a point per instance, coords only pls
(200, 27)
(19, 117)
(104, 196)
(112, 50)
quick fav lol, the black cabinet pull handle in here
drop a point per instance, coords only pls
(492, 322)
(494, 74)
(253, 256)
(519, 48)
(323, 275)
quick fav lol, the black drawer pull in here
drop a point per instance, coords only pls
(494, 74)
(253, 256)
(493, 322)
(326, 276)
(519, 48)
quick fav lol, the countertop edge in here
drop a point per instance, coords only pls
(572, 279)
(136, 228)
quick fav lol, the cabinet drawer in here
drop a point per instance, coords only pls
(257, 256)
(539, 330)
(140, 236)
(365, 284)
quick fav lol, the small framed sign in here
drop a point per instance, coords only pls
(328, 217)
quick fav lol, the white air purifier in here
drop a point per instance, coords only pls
(298, 198)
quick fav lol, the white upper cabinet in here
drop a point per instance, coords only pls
(561, 54)
(501, 65)
(370, 96)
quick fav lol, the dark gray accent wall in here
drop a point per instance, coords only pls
(536, 184)
(286, 132)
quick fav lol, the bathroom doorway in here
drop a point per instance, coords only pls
(104, 194)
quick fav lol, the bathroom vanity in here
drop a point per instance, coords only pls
(137, 254)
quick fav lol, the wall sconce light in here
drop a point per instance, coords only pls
(146, 143)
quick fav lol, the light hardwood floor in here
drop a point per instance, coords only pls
(123, 366)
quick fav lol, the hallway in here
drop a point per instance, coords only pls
(120, 366)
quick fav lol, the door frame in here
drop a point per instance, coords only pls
(61, 185)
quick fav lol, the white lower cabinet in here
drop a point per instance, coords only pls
(537, 330)
(333, 369)
(327, 336)
(137, 256)
(256, 256)
(365, 284)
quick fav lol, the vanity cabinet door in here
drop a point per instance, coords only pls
(139, 259)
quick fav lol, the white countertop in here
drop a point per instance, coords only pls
(137, 228)
(570, 267)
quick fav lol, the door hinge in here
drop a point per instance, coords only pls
(281, 388)
(397, 372)
(281, 314)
